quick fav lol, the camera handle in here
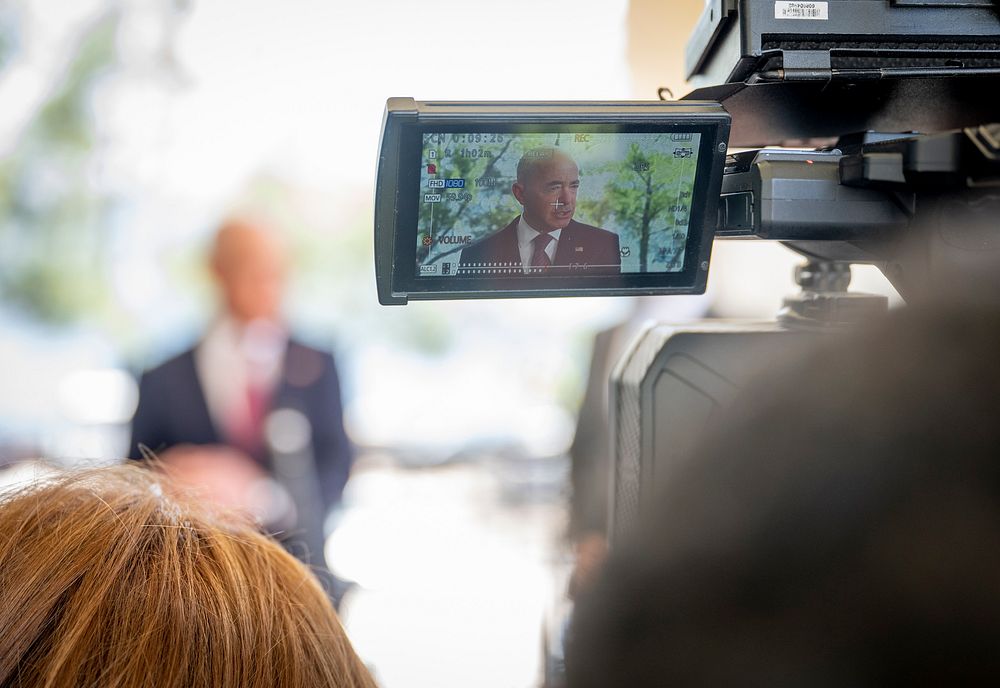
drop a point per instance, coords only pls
(824, 302)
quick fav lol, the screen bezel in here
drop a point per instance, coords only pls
(400, 179)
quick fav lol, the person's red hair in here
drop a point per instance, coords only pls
(109, 581)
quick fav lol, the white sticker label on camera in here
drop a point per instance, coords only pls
(801, 10)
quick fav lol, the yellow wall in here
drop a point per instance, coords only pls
(658, 31)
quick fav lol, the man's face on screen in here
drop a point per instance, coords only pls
(548, 194)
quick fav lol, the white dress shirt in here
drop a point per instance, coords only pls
(230, 358)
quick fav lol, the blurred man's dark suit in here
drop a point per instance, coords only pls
(578, 245)
(173, 410)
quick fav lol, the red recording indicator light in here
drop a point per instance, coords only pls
(432, 168)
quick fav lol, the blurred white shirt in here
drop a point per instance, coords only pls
(232, 357)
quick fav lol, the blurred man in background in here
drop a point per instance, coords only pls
(249, 415)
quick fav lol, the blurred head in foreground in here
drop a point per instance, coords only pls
(109, 581)
(841, 528)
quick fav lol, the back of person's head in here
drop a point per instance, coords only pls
(110, 580)
(840, 527)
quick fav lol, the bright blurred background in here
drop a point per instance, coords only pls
(130, 128)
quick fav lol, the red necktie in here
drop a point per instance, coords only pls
(539, 258)
(248, 433)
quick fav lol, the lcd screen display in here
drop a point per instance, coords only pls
(500, 205)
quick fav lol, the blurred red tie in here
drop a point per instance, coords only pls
(248, 431)
(539, 258)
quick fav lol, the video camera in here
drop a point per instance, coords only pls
(883, 116)
(899, 95)
(891, 106)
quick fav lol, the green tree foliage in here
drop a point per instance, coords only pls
(51, 220)
(647, 200)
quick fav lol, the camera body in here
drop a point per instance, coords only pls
(896, 99)
(825, 68)
(886, 150)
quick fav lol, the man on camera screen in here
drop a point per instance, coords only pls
(545, 237)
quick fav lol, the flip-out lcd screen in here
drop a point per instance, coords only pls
(546, 199)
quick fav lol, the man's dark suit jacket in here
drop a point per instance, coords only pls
(172, 410)
(582, 250)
